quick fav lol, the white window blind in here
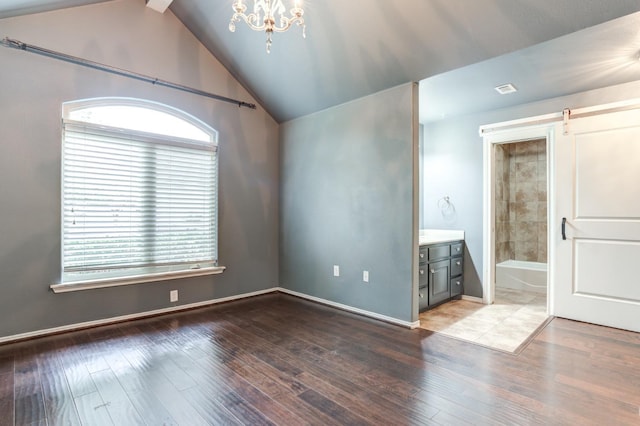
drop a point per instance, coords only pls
(136, 203)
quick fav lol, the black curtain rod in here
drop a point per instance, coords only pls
(15, 44)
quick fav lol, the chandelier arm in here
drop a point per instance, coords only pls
(286, 23)
(250, 20)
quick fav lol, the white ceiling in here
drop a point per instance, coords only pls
(462, 47)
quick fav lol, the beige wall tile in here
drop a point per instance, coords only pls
(526, 190)
(526, 250)
(542, 170)
(526, 152)
(527, 231)
(502, 252)
(526, 211)
(542, 212)
(542, 190)
(542, 150)
(526, 172)
(499, 154)
(542, 242)
(500, 189)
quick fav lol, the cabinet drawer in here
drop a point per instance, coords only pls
(423, 278)
(422, 255)
(423, 298)
(456, 249)
(456, 286)
(438, 252)
(456, 266)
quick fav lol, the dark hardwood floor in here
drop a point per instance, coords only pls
(276, 359)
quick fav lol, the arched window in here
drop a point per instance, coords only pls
(139, 191)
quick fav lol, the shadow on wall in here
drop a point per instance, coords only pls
(472, 281)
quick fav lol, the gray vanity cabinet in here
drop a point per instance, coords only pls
(440, 273)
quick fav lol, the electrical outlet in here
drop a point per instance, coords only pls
(365, 276)
(173, 296)
(336, 270)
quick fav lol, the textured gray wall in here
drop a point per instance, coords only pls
(127, 35)
(347, 188)
(453, 164)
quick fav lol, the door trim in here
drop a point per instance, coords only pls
(498, 137)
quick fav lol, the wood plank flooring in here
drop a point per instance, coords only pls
(276, 359)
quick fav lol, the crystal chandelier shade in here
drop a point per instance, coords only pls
(263, 17)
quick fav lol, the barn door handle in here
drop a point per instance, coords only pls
(564, 225)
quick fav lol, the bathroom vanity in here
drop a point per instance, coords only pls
(441, 261)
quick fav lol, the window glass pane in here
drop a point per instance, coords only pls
(140, 119)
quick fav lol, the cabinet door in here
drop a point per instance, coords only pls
(439, 284)
(456, 286)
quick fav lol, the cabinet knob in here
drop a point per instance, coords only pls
(433, 271)
(457, 283)
(422, 255)
(421, 271)
(421, 296)
(458, 263)
(457, 248)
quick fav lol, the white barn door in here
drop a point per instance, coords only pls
(597, 189)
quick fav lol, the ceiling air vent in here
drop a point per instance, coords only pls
(505, 89)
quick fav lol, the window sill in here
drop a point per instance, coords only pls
(139, 279)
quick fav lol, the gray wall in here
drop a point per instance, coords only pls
(452, 161)
(347, 198)
(124, 34)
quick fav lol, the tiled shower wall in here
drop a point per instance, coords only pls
(521, 201)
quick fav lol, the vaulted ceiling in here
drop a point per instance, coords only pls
(460, 48)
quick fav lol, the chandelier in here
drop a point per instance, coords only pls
(263, 17)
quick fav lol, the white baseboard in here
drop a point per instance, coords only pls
(140, 315)
(348, 308)
(473, 299)
(122, 318)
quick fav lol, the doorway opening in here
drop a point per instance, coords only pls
(516, 216)
(520, 230)
(517, 206)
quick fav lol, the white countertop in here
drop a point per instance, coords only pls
(434, 236)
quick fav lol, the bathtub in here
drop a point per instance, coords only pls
(522, 275)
